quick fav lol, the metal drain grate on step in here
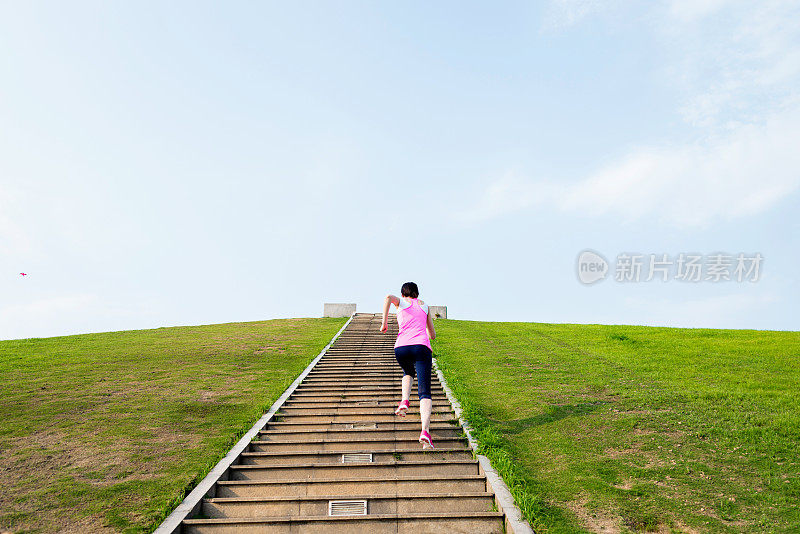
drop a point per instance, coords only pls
(347, 508)
(361, 426)
(356, 457)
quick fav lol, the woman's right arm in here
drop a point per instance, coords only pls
(388, 301)
(431, 329)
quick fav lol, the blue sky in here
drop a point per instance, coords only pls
(199, 162)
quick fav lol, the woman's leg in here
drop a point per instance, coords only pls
(425, 407)
(406, 361)
(422, 366)
(406, 392)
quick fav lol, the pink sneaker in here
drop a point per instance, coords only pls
(402, 408)
(425, 439)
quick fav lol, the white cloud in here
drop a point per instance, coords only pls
(743, 172)
(564, 13)
(732, 62)
(508, 194)
(738, 67)
(690, 10)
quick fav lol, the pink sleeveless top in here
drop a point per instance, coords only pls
(413, 321)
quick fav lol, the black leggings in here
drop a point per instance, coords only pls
(416, 360)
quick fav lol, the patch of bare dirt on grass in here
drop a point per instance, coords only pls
(87, 524)
(641, 411)
(626, 485)
(616, 453)
(168, 436)
(43, 458)
(207, 396)
(50, 454)
(34, 465)
(58, 450)
(593, 520)
(269, 348)
(62, 523)
(676, 528)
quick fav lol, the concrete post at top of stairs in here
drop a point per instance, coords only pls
(337, 309)
(438, 312)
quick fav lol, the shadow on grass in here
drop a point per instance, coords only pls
(552, 414)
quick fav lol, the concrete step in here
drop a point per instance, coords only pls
(339, 457)
(364, 361)
(477, 501)
(364, 341)
(369, 354)
(356, 372)
(398, 423)
(399, 444)
(363, 392)
(407, 485)
(431, 523)
(380, 350)
(372, 356)
(357, 395)
(377, 407)
(355, 414)
(368, 358)
(375, 386)
(341, 371)
(362, 354)
(375, 383)
(437, 431)
(361, 407)
(367, 350)
(336, 471)
(363, 379)
(385, 356)
(388, 400)
(367, 367)
(365, 371)
(363, 385)
(388, 405)
(366, 354)
(359, 388)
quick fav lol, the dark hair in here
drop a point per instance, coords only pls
(410, 289)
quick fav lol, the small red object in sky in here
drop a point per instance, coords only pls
(24, 274)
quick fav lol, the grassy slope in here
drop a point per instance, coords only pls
(109, 430)
(635, 428)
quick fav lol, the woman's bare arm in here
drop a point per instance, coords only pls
(388, 301)
(431, 330)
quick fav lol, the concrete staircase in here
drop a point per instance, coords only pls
(336, 458)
